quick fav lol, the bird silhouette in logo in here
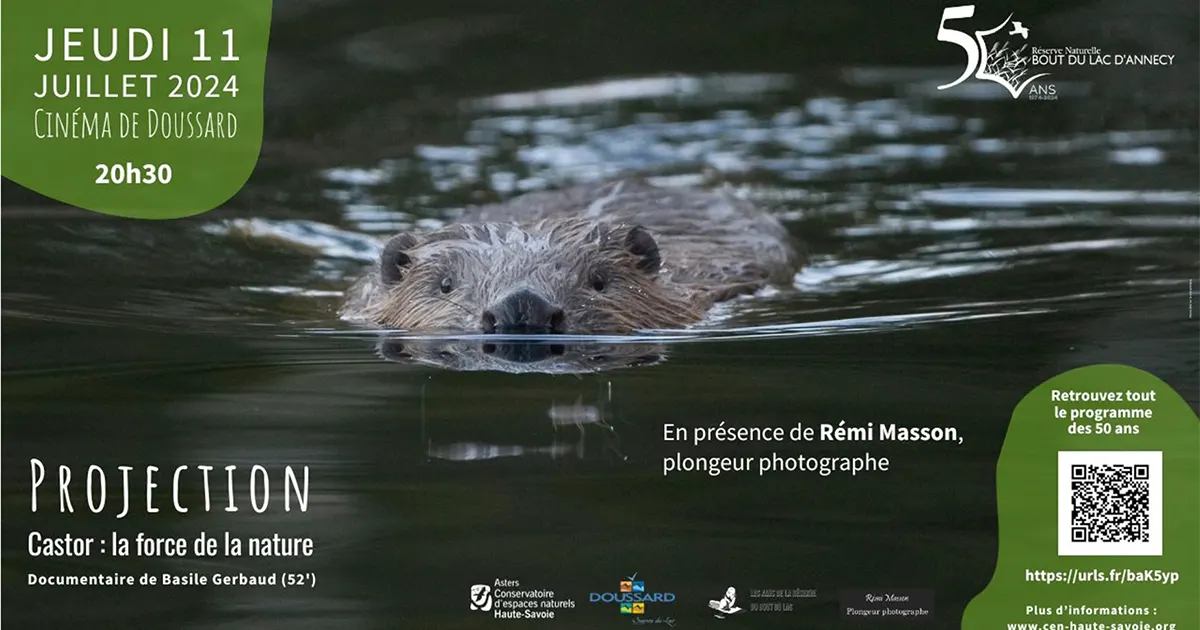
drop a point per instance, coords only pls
(1019, 30)
(481, 597)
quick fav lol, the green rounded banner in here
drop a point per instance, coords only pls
(136, 108)
(1098, 494)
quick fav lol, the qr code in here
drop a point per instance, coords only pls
(1110, 503)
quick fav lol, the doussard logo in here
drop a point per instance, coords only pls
(632, 597)
(1002, 62)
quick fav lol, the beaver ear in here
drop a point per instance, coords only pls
(641, 244)
(394, 261)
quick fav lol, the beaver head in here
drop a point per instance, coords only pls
(555, 276)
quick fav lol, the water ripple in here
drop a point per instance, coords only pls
(874, 185)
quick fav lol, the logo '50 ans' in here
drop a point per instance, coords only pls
(1004, 60)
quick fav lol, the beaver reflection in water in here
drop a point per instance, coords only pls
(594, 259)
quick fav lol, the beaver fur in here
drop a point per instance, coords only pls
(604, 258)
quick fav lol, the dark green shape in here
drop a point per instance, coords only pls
(1027, 498)
(59, 155)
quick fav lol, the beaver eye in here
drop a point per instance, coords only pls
(598, 282)
(447, 284)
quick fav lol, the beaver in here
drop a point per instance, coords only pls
(611, 258)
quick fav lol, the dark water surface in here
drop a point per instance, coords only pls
(963, 250)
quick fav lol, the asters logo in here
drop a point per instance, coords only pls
(632, 597)
(481, 597)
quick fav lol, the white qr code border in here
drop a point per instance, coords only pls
(1151, 459)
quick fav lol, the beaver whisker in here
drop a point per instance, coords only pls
(452, 302)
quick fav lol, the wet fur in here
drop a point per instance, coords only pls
(663, 256)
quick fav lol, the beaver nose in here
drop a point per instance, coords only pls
(524, 313)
